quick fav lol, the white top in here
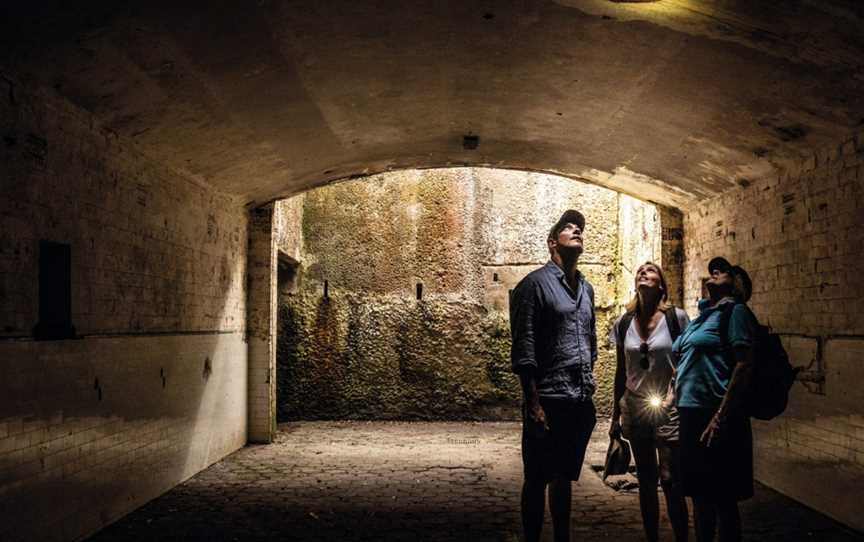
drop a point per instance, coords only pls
(655, 379)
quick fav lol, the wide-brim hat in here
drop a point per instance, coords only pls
(720, 263)
(738, 272)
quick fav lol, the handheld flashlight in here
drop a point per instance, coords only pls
(655, 401)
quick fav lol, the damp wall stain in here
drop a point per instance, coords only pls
(393, 358)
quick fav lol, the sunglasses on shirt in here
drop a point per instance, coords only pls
(643, 359)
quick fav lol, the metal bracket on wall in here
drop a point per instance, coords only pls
(812, 373)
(813, 379)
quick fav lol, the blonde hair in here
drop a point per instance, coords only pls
(634, 304)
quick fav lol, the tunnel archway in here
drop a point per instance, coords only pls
(402, 312)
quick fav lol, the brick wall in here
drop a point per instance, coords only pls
(672, 251)
(639, 237)
(153, 388)
(261, 322)
(151, 249)
(800, 236)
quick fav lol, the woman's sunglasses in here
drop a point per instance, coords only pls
(643, 360)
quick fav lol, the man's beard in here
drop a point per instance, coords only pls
(569, 253)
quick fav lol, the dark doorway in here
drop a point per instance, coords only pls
(55, 292)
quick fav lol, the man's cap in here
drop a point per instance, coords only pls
(570, 216)
(722, 264)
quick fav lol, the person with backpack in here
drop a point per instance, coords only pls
(712, 386)
(642, 409)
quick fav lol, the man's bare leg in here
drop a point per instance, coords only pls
(704, 518)
(533, 509)
(559, 505)
(729, 520)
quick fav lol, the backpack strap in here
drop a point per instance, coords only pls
(726, 348)
(672, 323)
(623, 326)
(619, 385)
(620, 336)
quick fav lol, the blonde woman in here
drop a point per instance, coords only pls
(642, 410)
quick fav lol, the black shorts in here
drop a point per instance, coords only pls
(723, 470)
(559, 452)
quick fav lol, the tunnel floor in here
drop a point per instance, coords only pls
(408, 481)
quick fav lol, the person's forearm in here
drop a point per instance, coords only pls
(739, 383)
(619, 385)
(529, 387)
(618, 392)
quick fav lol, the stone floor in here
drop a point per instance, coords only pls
(351, 481)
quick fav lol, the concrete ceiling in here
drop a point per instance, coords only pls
(672, 101)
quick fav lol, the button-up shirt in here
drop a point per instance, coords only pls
(553, 332)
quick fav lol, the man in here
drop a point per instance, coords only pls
(554, 349)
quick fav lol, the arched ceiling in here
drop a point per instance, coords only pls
(672, 101)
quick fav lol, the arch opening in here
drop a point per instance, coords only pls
(418, 265)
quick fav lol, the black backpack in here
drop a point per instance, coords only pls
(773, 375)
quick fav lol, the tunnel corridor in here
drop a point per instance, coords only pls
(147, 150)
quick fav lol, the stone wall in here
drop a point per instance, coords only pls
(673, 253)
(800, 237)
(417, 266)
(152, 388)
(639, 240)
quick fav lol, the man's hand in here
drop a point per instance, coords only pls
(538, 416)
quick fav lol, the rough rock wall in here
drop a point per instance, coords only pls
(799, 235)
(417, 266)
